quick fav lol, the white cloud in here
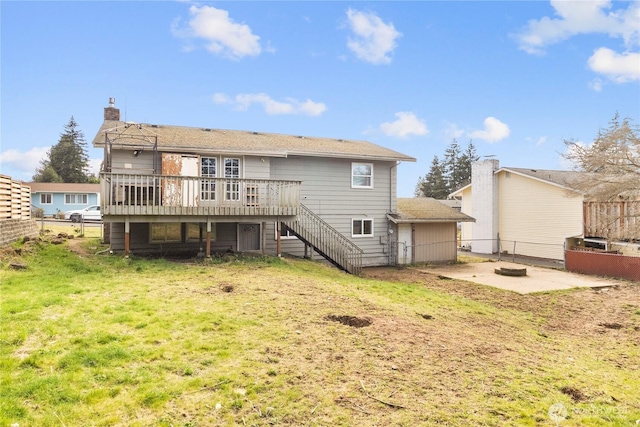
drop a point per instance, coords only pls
(620, 68)
(596, 84)
(221, 34)
(581, 17)
(23, 162)
(591, 17)
(373, 40)
(406, 124)
(452, 131)
(494, 131)
(243, 101)
(541, 141)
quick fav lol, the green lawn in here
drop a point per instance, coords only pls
(106, 341)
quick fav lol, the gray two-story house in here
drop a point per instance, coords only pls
(172, 188)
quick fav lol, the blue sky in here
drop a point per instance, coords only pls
(517, 78)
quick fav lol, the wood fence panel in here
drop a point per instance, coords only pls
(15, 199)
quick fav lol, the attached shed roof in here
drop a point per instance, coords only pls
(426, 209)
(62, 187)
(135, 136)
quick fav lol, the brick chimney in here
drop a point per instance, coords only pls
(111, 112)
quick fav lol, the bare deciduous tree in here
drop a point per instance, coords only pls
(611, 162)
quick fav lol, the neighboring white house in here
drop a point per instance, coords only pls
(167, 188)
(530, 210)
(426, 231)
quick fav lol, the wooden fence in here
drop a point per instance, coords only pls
(15, 199)
(603, 264)
(612, 220)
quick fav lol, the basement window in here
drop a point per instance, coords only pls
(193, 232)
(285, 233)
(165, 232)
(362, 227)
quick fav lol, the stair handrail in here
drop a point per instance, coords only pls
(326, 240)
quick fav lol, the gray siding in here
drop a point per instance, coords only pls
(326, 190)
(257, 167)
(123, 161)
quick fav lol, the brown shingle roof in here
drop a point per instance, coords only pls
(189, 139)
(62, 187)
(426, 209)
(558, 177)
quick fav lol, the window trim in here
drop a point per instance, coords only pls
(75, 198)
(211, 191)
(353, 185)
(197, 239)
(362, 221)
(49, 196)
(156, 224)
(287, 237)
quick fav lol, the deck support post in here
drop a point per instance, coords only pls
(127, 235)
(208, 248)
(278, 239)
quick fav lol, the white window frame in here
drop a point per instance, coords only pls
(208, 187)
(48, 196)
(353, 175)
(362, 227)
(286, 236)
(72, 199)
(232, 183)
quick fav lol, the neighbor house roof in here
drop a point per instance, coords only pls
(136, 136)
(426, 209)
(63, 187)
(559, 178)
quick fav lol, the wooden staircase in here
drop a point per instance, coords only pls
(326, 240)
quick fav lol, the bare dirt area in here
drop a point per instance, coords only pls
(577, 311)
(533, 279)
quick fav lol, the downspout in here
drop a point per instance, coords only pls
(391, 186)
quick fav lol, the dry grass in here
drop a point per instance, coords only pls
(289, 342)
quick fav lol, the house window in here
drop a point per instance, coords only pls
(193, 232)
(232, 170)
(362, 228)
(285, 234)
(165, 232)
(209, 169)
(46, 198)
(76, 199)
(361, 175)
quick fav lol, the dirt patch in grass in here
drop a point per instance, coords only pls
(356, 322)
(578, 311)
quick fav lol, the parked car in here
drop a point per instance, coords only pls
(90, 213)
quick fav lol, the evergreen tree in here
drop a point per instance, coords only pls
(445, 177)
(451, 165)
(434, 183)
(466, 159)
(68, 158)
(46, 173)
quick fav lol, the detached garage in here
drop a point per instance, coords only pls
(426, 231)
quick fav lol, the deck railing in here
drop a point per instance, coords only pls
(326, 240)
(138, 194)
